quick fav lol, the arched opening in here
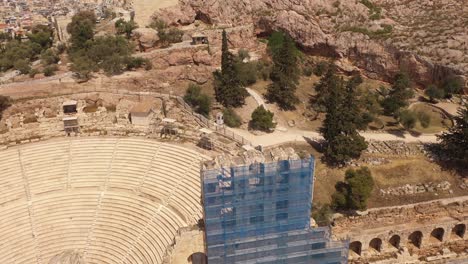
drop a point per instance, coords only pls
(376, 244)
(438, 234)
(458, 231)
(203, 18)
(395, 241)
(355, 247)
(415, 239)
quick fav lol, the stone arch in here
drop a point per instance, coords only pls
(395, 241)
(459, 230)
(415, 239)
(203, 17)
(356, 247)
(438, 234)
(376, 244)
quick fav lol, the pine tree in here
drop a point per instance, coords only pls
(284, 75)
(454, 143)
(342, 120)
(319, 101)
(228, 86)
(399, 95)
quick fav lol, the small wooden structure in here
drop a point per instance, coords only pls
(140, 114)
(71, 125)
(199, 38)
(220, 119)
(70, 107)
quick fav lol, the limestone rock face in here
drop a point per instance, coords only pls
(321, 27)
(146, 37)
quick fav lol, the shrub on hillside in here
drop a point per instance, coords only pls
(407, 119)
(231, 119)
(5, 102)
(353, 193)
(434, 93)
(262, 120)
(424, 119)
(199, 101)
(50, 70)
(22, 66)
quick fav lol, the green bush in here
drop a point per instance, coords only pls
(83, 67)
(243, 54)
(354, 192)
(22, 66)
(137, 62)
(452, 86)
(434, 93)
(424, 119)
(247, 72)
(262, 120)
(50, 70)
(200, 102)
(61, 48)
(322, 214)
(33, 72)
(5, 102)
(407, 119)
(321, 68)
(49, 57)
(231, 119)
(125, 27)
(307, 71)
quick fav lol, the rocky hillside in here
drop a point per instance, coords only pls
(372, 38)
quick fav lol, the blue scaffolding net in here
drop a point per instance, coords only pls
(260, 213)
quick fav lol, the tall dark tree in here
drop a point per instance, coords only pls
(318, 102)
(454, 143)
(399, 95)
(81, 29)
(228, 86)
(343, 118)
(284, 75)
(5, 102)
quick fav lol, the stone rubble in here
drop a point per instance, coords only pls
(409, 189)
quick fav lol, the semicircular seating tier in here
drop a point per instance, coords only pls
(113, 200)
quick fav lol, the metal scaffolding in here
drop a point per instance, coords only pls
(260, 213)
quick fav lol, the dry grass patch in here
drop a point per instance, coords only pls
(407, 171)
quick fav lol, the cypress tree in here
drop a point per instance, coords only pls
(342, 120)
(454, 143)
(284, 75)
(228, 86)
(399, 95)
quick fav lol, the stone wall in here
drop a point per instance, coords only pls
(417, 231)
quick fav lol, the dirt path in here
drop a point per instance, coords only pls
(280, 137)
(257, 97)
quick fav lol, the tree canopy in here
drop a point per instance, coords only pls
(343, 119)
(285, 74)
(112, 54)
(199, 101)
(399, 95)
(228, 87)
(354, 192)
(81, 29)
(262, 119)
(454, 142)
(42, 35)
(5, 102)
(125, 27)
